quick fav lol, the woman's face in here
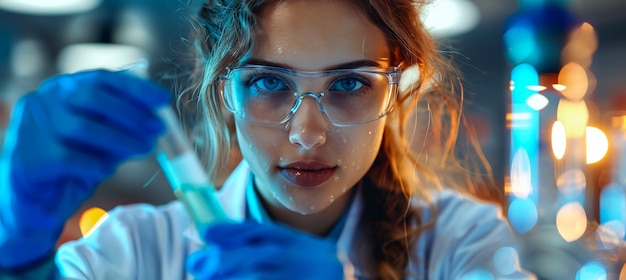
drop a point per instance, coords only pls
(308, 163)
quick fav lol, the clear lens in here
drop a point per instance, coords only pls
(271, 95)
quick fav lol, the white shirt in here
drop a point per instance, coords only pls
(142, 241)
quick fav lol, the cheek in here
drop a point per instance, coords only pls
(360, 145)
(365, 140)
(256, 144)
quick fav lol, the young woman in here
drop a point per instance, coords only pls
(327, 187)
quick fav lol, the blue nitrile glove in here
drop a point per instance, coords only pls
(250, 250)
(62, 141)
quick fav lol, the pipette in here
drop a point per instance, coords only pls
(182, 167)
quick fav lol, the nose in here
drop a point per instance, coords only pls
(308, 125)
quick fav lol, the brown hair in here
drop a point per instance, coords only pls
(224, 35)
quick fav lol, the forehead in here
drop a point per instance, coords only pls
(313, 35)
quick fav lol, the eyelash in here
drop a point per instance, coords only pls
(256, 76)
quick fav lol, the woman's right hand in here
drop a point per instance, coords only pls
(62, 141)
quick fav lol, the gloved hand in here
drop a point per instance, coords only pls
(61, 142)
(263, 251)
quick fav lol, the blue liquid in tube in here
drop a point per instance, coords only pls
(186, 174)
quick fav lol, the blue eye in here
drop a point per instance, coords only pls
(269, 83)
(348, 84)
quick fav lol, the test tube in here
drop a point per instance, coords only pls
(181, 166)
(185, 173)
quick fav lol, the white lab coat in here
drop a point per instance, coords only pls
(152, 242)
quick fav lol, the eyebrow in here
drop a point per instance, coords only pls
(346, 65)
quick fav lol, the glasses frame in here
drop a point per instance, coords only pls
(393, 75)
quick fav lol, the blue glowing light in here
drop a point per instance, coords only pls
(537, 33)
(525, 124)
(520, 43)
(522, 214)
(613, 204)
(592, 270)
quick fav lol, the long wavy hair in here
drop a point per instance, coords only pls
(223, 34)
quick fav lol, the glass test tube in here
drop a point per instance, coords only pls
(182, 167)
(185, 173)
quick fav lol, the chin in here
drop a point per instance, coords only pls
(307, 208)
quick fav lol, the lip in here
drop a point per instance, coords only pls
(307, 173)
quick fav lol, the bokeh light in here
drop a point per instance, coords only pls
(523, 76)
(518, 120)
(591, 271)
(506, 260)
(79, 57)
(574, 116)
(574, 79)
(558, 87)
(610, 234)
(597, 144)
(559, 142)
(571, 221)
(90, 219)
(521, 183)
(522, 214)
(536, 87)
(520, 42)
(613, 207)
(49, 7)
(583, 42)
(571, 182)
(27, 58)
(445, 18)
(537, 101)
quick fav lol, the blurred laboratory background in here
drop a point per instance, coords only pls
(39, 38)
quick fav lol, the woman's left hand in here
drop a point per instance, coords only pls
(250, 250)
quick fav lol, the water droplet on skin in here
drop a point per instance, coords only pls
(336, 178)
(370, 133)
(339, 162)
(331, 198)
(281, 158)
(266, 165)
(344, 189)
(279, 50)
(344, 140)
